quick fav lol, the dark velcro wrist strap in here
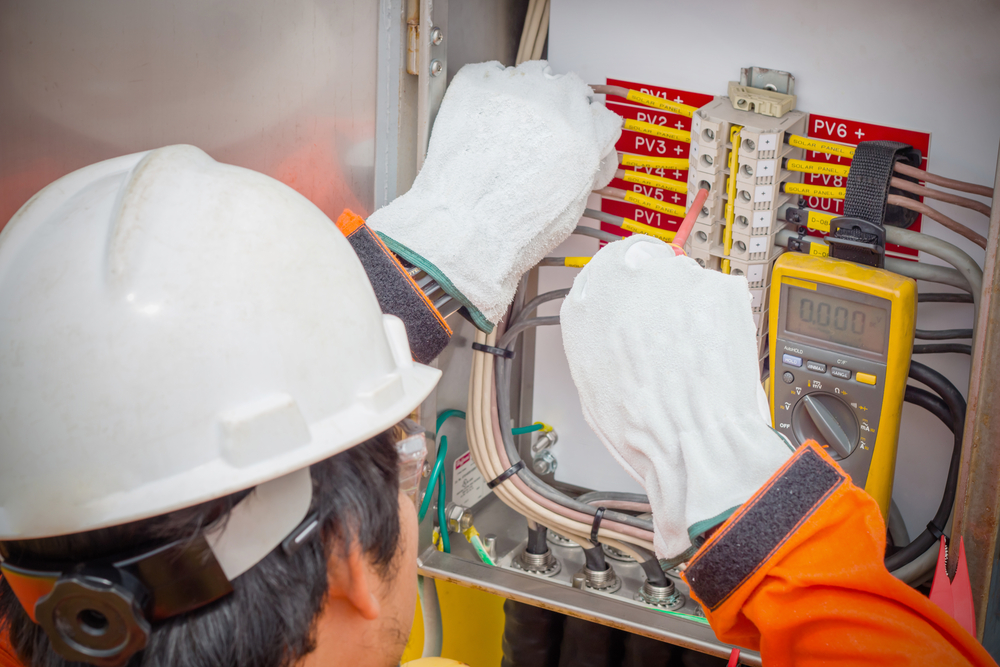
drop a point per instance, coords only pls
(762, 526)
(868, 179)
(489, 349)
(506, 474)
(596, 526)
(396, 291)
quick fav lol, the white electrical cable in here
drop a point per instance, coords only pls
(482, 430)
(532, 18)
(543, 32)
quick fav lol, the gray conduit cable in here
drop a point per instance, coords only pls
(503, 408)
(598, 234)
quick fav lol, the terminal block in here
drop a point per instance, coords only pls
(746, 207)
(769, 92)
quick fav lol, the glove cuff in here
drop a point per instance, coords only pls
(697, 530)
(428, 267)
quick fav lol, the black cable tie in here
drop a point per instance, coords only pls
(489, 349)
(506, 474)
(596, 526)
(935, 531)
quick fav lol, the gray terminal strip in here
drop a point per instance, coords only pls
(830, 358)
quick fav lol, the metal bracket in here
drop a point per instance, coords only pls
(432, 69)
(768, 79)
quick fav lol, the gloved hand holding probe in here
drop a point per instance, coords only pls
(663, 354)
(514, 154)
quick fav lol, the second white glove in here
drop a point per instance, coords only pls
(664, 356)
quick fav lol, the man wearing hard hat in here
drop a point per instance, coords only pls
(200, 392)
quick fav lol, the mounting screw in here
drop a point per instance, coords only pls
(490, 542)
(436, 67)
(544, 441)
(544, 463)
(437, 36)
(459, 518)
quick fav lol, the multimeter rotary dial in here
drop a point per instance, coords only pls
(829, 421)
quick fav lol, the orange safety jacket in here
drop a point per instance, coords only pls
(797, 573)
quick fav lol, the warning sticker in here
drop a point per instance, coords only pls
(468, 485)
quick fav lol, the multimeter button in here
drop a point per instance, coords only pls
(865, 378)
(840, 373)
(788, 377)
(791, 360)
(816, 366)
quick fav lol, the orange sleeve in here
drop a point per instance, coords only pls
(797, 573)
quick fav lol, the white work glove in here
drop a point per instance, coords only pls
(664, 356)
(513, 156)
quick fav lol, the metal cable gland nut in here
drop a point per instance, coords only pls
(544, 564)
(91, 619)
(664, 597)
(605, 580)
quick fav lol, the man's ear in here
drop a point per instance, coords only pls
(354, 581)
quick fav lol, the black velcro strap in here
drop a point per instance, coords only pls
(506, 474)
(868, 179)
(762, 526)
(398, 295)
(596, 526)
(489, 349)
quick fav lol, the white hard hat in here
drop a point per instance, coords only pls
(173, 330)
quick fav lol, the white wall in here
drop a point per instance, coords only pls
(922, 65)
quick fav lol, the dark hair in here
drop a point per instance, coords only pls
(268, 621)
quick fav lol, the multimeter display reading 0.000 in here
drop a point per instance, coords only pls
(836, 320)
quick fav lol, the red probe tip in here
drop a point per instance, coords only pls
(692, 215)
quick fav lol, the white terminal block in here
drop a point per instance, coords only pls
(760, 172)
(712, 133)
(716, 182)
(761, 320)
(706, 236)
(703, 257)
(707, 158)
(763, 222)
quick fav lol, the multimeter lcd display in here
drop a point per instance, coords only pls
(836, 320)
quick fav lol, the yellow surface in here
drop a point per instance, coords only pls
(866, 378)
(473, 627)
(819, 222)
(730, 210)
(434, 662)
(901, 292)
(822, 191)
(828, 168)
(641, 228)
(817, 249)
(654, 204)
(655, 181)
(818, 146)
(653, 162)
(575, 262)
(661, 131)
(660, 103)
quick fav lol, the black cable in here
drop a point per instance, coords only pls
(942, 334)
(651, 566)
(939, 348)
(595, 559)
(944, 297)
(950, 409)
(537, 543)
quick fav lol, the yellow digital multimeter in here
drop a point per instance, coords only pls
(841, 337)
